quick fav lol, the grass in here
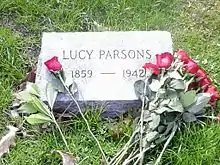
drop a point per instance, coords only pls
(194, 25)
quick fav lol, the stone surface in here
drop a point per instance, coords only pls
(104, 65)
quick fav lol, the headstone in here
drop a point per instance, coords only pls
(104, 66)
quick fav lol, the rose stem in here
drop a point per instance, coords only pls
(142, 122)
(166, 144)
(61, 133)
(87, 124)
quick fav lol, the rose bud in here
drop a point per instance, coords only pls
(182, 55)
(155, 69)
(53, 64)
(213, 91)
(164, 60)
(205, 82)
(201, 73)
(191, 67)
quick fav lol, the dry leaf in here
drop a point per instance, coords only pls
(30, 77)
(68, 158)
(8, 140)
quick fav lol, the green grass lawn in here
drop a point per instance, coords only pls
(195, 27)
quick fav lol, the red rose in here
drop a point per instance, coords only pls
(205, 82)
(213, 91)
(164, 60)
(191, 67)
(155, 69)
(201, 73)
(182, 55)
(193, 85)
(213, 104)
(53, 64)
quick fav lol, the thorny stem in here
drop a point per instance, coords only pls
(81, 113)
(166, 144)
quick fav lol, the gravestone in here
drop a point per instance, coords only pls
(104, 66)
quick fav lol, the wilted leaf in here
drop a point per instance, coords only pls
(161, 93)
(151, 135)
(8, 140)
(139, 88)
(155, 121)
(152, 106)
(202, 100)
(73, 88)
(171, 93)
(155, 85)
(161, 139)
(189, 117)
(188, 98)
(161, 128)
(177, 84)
(28, 107)
(161, 110)
(38, 119)
(68, 158)
(51, 94)
(164, 102)
(147, 116)
(168, 128)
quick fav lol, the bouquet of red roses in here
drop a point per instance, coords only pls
(175, 91)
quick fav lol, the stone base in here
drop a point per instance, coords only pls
(111, 108)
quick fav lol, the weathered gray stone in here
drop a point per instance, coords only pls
(104, 65)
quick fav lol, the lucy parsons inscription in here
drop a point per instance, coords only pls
(106, 54)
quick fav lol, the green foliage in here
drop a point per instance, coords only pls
(188, 98)
(193, 24)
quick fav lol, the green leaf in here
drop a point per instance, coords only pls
(38, 119)
(28, 107)
(202, 99)
(24, 96)
(176, 105)
(32, 88)
(51, 94)
(188, 98)
(177, 84)
(155, 85)
(56, 83)
(189, 117)
(41, 106)
(175, 75)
